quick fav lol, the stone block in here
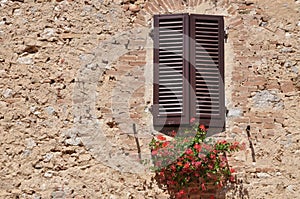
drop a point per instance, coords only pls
(272, 85)
(287, 86)
(269, 125)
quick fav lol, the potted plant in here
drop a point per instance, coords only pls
(192, 162)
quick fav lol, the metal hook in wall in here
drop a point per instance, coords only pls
(250, 143)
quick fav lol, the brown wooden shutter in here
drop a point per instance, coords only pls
(207, 70)
(171, 73)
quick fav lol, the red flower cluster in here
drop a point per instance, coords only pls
(186, 160)
(161, 138)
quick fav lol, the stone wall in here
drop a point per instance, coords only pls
(76, 89)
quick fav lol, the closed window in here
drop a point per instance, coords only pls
(189, 70)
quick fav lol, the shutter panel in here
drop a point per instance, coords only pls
(171, 75)
(207, 71)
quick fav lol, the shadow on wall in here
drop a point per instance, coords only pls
(238, 190)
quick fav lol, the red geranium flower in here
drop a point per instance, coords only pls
(220, 184)
(180, 193)
(173, 133)
(232, 170)
(222, 142)
(160, 137)
(212, 156)
(201, 155)
(173, 168)
(186, 165)
(189, 151)
(161, 173)
(165, 144)
(202, 127)
(192, 120)
(222, 164)
(171, 182)
(231, 178)
(154, 152)
(208, 175)
(197, 147)
(197, 164)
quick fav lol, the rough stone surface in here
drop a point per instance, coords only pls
(265, 99)
(76, 89)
